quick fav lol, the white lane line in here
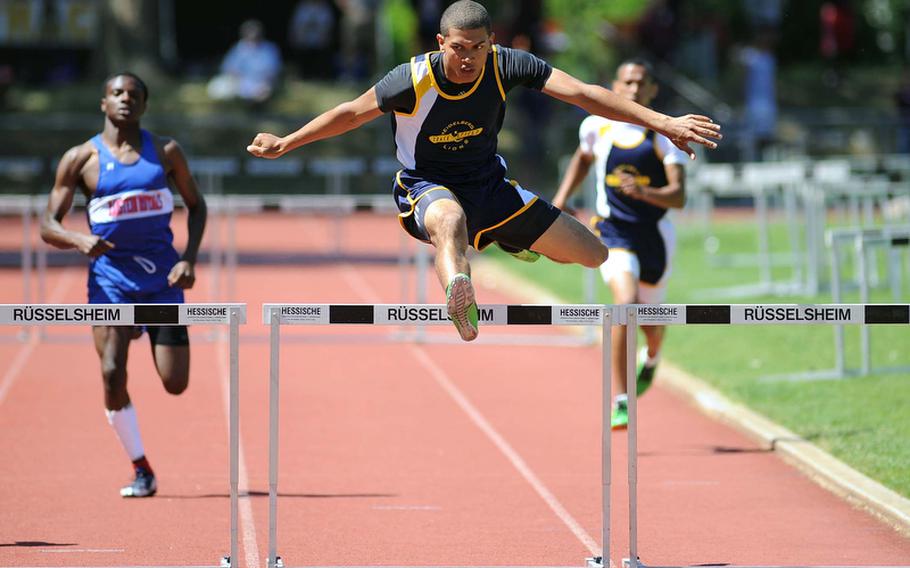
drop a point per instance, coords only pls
(12, 372)
(244, 505)
(513, 456)
(77, 550)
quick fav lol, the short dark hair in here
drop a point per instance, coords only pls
(640, 62)
(465, 15)
(131, 75)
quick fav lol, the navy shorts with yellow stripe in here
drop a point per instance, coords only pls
(643, 239)
(502, 211)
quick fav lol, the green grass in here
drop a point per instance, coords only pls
(863, 421)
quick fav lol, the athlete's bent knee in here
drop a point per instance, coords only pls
(114, 377)
(176, 385)
(597, 254)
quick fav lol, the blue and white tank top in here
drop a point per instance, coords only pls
(132, 207)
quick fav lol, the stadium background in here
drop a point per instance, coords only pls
(839, 81)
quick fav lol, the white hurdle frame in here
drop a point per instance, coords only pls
(276, 315)
(230, 314)
(634, 315)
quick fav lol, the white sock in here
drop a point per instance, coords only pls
(126, 426)
(620, 399)
(649, 361)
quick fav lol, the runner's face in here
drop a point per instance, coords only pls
(633, 82)
(124, 100)
(464, 53)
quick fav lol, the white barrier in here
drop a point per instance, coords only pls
(732, 314)
(807, 193)
(231, 315)
(276, 315)
(891, 238)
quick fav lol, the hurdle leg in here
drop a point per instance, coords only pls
(274, 561)
(606, 472)
(632, 391)
(764, 246)
(234, 355)
(26, 261)
(839, 357)
(865, 360)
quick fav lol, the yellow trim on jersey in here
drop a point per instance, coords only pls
(613, 180)
(453, 97)
(644, 136)
(502, 91)
(503, 222)
(420, 89)
(604, 129)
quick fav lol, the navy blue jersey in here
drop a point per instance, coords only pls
(622, 147)
(447, 132)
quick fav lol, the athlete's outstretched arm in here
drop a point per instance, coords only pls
(59, 202)
(681, 130)
(576, 172)
(183, 273)
(343, 118)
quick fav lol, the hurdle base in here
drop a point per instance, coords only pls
(279, 563)
(594, 562)
(225, 562)
(628, 563)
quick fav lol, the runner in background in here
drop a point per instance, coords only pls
(124, 173)
(640, 175)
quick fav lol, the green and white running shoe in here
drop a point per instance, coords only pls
(645, 374)
(462, 306)
(620, 418)
(523, 255)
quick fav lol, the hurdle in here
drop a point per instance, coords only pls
(730, 314)
(276, 315)
(888, 237)
(231, 315)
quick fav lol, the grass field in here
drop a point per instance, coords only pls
(864, 421)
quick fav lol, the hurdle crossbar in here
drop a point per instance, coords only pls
(276, 315)
(231, 315)
(732, 314)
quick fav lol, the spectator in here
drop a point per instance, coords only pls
(250, 68)
(357, 38)
(836, 39)
(760, 93)
(428, 13)
(312, 35)
(6, 81)
(902, 99)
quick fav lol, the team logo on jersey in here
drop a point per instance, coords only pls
(132, 204)
(456, 135)
(613, 177)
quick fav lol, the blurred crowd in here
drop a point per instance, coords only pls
(246, 53)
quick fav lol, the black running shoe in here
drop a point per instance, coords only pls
(143, 486)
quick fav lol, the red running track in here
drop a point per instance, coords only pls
(392, 453)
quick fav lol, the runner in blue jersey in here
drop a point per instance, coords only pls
(639, 176)
(125, 173)
(447, 108)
